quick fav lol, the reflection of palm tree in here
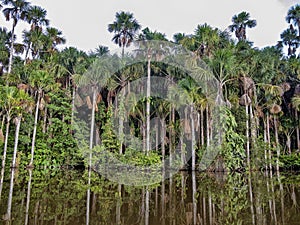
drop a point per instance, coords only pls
(240, 23)
(125, 28)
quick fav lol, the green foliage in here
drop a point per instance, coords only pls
(233, 146)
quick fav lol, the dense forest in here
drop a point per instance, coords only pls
(41, 81)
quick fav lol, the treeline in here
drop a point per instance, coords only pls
(39, 98)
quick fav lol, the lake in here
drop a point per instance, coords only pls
(76, 197)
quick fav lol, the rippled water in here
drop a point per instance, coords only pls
(65, 197)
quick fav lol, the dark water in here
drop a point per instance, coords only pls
(65, 197)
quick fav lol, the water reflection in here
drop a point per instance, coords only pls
(83, 197)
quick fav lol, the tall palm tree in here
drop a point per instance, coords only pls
(15, 10)
(125, 27)
(40, 81)
(240, 23)
(294, 15)
(23, 103)
(8, 104)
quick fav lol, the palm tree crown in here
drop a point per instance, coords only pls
(294, 15)
(125, 28)
(239, 24)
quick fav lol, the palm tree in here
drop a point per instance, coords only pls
(53, 38)
(240, 23)
(125, 27)
(294, 15)
(99, 51)
(9, 102)
(15, 10)
(289, 37)
(40, 81)
(23, 102)
(37, 17)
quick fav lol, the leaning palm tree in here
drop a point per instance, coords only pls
(125, 27)
(240, 23)
(294, 15)
(15, 10)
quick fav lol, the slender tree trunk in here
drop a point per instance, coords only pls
(28, 197)
(18, 121)
(11, 51)
(247, 137)
(6, 140)
(92, 126)
(121, 119)
(26, 53)
(118, 206)
(193, 138)
(148, 103)
(297, 128)
(88, 199)
(147, 209)
(251, 198)
(277, 142)
(10, 195)
(1, 181)
(269, 141)
(35, 128)
(207, 128)
(73, 104)
(194, 187)
(202, 126)
(265, 149)
(45, 120)
(162, 140)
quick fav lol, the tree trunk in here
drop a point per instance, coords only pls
(297, 128)
(35, 128)
(269, 141)
(45, 120)
(6, 141)
(10, 195)
(148, 103)
(18, 120)
(202, 126)
(121, 120)
(92, 126)
(207, 128)
(11, 50)
(162, 140)
(194, 188)
(26, 53)
(193, 138)
(265, 149)
(28, 197)
(277, 142)
(147, 209)
(247, 137)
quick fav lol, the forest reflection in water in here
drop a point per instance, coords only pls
(83, 197)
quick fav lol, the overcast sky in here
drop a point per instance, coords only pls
(84, 23)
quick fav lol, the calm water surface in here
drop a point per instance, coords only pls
(65, 197)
